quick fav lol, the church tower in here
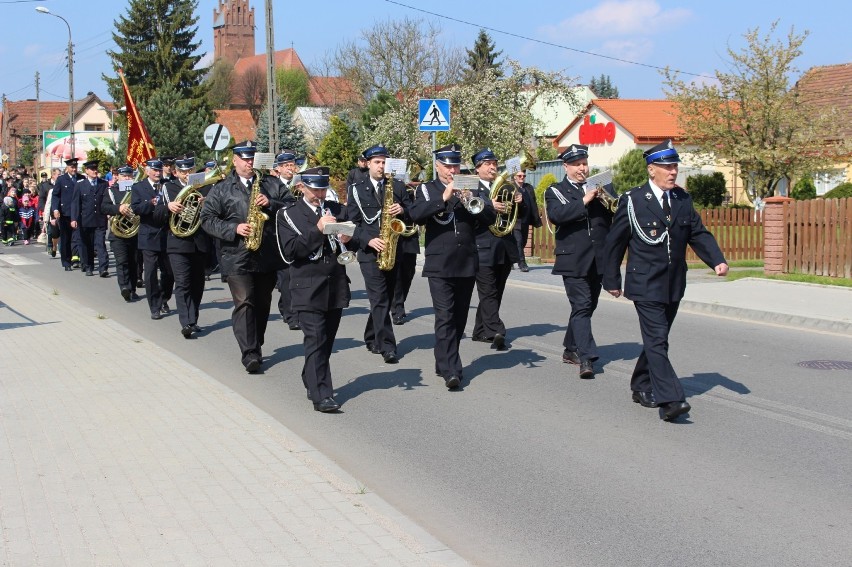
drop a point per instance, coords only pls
(233, 30)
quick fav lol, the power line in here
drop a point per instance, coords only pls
(548, 43)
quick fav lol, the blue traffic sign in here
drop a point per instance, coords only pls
(434, 115)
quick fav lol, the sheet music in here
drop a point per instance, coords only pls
(466, 182)
(397, 166)
(125, 184)
(346, 227)
(264, 161)
(513, 165)
(196, 178)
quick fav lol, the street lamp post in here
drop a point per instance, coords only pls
(43, 10)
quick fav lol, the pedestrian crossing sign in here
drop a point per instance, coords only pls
(434, 115)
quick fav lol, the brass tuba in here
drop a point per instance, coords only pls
(502, 193)
(125, 226)
(186, 223)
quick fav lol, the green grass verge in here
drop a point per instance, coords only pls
(804, 278)
(732, 264)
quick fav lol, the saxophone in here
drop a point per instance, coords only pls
(256, 217)
(124, 226)
(391, 228)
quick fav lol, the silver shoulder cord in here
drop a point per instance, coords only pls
(315, 256)
(634, 226)
(450, 217)
(363, 214)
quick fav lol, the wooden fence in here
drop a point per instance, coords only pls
(739, 233)
(818, 237)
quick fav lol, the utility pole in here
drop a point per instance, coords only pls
(38, 122)
(271, 95)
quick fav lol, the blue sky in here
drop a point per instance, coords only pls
(689, 35)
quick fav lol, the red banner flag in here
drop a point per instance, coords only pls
(140, 148)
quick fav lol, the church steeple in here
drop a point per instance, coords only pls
(233, 30)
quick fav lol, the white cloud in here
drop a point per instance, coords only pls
(617, 18)
(32, 50)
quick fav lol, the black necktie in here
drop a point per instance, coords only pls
(667, 210)
(319, 211)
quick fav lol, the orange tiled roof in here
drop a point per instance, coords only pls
(830, 87)
(238, 122)
(283, 59)
(51, 115)
(648, 121)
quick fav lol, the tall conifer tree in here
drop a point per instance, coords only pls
(482, 57)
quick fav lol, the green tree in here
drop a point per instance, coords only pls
(175, 126)
(219, 84)
(707, 190)
(293, 87)
(155, 47)
(804, 189)
(603, 88)
(338, 151)
(28, 149)
(546, 181)
(629, 171)
(546, 152)
(105, 161)
(380, 104)
(481, 58)
(290, 134)
(753, 117)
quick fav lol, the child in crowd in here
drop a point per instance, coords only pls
(9, 218)
(29, 218)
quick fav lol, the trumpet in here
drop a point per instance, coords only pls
(474, 205)
(609, 202)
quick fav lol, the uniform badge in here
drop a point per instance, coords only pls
(647, 196)
(654, 232)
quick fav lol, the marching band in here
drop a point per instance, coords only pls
(286, 229)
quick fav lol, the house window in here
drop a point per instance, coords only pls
(825, 181)
(93, 127)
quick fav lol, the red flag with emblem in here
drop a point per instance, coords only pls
(140, 148)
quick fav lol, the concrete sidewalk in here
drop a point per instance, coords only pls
(162, 464)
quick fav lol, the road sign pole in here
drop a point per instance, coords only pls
(434, 147)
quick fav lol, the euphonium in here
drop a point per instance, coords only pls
(187, 222)
(256, 217)
(123, 226)
(390, 230)
(501, 193)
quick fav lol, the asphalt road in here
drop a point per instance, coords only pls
(527, 464)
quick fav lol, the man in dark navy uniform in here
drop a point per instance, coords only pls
(496, 256)
(582, 223)
(251, 273)
(285, 169)
(63, 195)
(451, 258)
(656, 222)
(319, 286)
(187, 255)
(123, 249)
(146, 195)
(366, 207)
(90, 221)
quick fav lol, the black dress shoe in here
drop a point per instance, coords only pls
(586, 369)
(68, 268)
(196, 328)
(186, 331)
(90, 272)
(134, 296)
(140, 284)
(452, 382)
(571, 356)
(164, 309)
(373, 349)
(645, 399)
(125, 293)
(104, 274)
(481, 339)
(53, 253)
(523, 266)
(499, 342)
(253, 365)
(294, 326)
(672, 410)
(156, 316)
(390, 357)
(326, 405)
(399, 320)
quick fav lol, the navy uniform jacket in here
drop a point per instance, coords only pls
(152, 232)
(492, 249)
(450, 239)
(198, 242)
(581, 230)
(85, 207)
(225, 207)
(320, 284)
(372, 204)
(656, 272)
(409, 244)
(63, 193)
